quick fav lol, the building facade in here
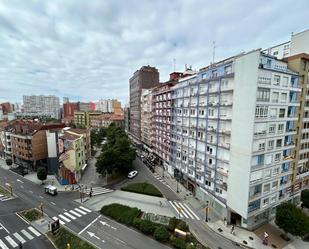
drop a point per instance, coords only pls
(145, 78)
(41, 105)
(69, 109)
(83, 119)
(127, 119)
(146, 116)
(105, 119)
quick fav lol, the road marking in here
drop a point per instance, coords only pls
(191, 211)
(81, 211)
(61, 222)
(70, 216)
(11, 241)
(19, 181)
(86, 209)
(2, 245)
(182, 211)
(17, 236)
(30, 237)
(30, 191)
(34, 231)
(4, 228)
(186, 211)
(76, 214)
(65, 210)
(64, 218)
(89, 224)
(53, 203)
(175, 208)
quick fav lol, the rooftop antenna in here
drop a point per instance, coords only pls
(213, 51)
(174, 64)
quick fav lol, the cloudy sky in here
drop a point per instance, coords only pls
(88, 50)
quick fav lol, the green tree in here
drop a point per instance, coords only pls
(292, 220)
(42, 174)
(305, 198)
(161, 234)
(147, 227)
(107, 162)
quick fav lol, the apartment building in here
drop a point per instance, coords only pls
(234, 120)
(83, 119)
(126, 119)
(105, 119)
(146, 115)
(300, 64)
(145, 78)
(41, 105)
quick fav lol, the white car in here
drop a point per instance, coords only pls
(132, 174)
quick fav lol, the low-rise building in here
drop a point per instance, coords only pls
(83, 119)
(105, 119)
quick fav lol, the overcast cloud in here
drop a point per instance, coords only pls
(89, 49)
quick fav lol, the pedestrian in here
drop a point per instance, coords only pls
(224, 220)
(160, 203)
(20, 245)
(233, 230)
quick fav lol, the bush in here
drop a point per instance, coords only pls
(147, 227)
(121, 213)
(182, 225)
(42, 174)
(305, 198)
(161, 234)
(137, 222)
(178, 243)
(143, 188)
(8, 162)
(190, 246)
(172, 224)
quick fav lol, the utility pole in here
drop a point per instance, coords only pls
(206, 210)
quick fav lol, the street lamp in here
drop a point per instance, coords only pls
(206, 210)
(177, 190)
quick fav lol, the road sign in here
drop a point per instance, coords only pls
(55, 226)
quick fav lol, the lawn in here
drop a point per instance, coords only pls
(143, 188)
(31, 214)
(64, 236)
(4, 191)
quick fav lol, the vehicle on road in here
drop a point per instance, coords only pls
(132, 174)
(52, 190)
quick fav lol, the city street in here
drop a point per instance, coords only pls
(76, 217)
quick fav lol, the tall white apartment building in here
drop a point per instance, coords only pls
(41, 105)
(232, 136)
(146, 115)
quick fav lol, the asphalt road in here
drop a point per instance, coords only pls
(88, 225)
(204, 233)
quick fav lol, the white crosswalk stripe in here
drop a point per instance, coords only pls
(86, 209)
(161, 180)
(185, 210)
(80, 211)
(76, 214)
(28, 235)
(61, 222)
(64, 218)
(35, 232)
(2, 245)
(21, 239)
(98, 191)
(4, 197)
(70, 216)
(11, 241)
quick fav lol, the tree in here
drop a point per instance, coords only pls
(161, 234)
(292, 219)
(42, 174)
(305, 198)
(9, 162)
(107, 162)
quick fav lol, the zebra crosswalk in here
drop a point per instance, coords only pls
(22, 236)
(183, 210)
(4, 197)
(161, 179)
(98, 191)
(72, 214)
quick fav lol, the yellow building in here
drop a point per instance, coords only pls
(83, 119)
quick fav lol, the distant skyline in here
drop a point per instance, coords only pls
(87, 50)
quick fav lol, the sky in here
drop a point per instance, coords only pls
(88, 50)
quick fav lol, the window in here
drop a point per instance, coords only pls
(210, 161)
(228, 69)
(261, 111)
(274, 185)
(273, 199)
(266, 187)
(218, 190)
(201, 112)
(275, 53)
(276, 80)
(273, 112)
(285, 81)
(263, 94)
(281, 113)
(275, 97)
(276, 171)
(192, 111)
(265, 202)
(271, 144)
(262, 146)
(280, 128)
(207, 183)
(272, 129)
(277, 157)
(267, 173)
(283, 97)
(279, 143)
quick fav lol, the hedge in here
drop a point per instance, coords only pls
(147, 227)
(161, 234)
(143, 188)
(121, 213)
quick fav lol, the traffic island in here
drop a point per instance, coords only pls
(143, 188)
(65, 239)
(31, 215)
(167, 230)
(5, 194)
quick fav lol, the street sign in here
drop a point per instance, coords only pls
(55, 226)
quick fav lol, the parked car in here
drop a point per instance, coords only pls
(132, 174)
(52, 190)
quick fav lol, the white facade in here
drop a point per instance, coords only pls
(104, 105)
(41, 105)
(146, 105)
(300, 43)
(232, 131)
